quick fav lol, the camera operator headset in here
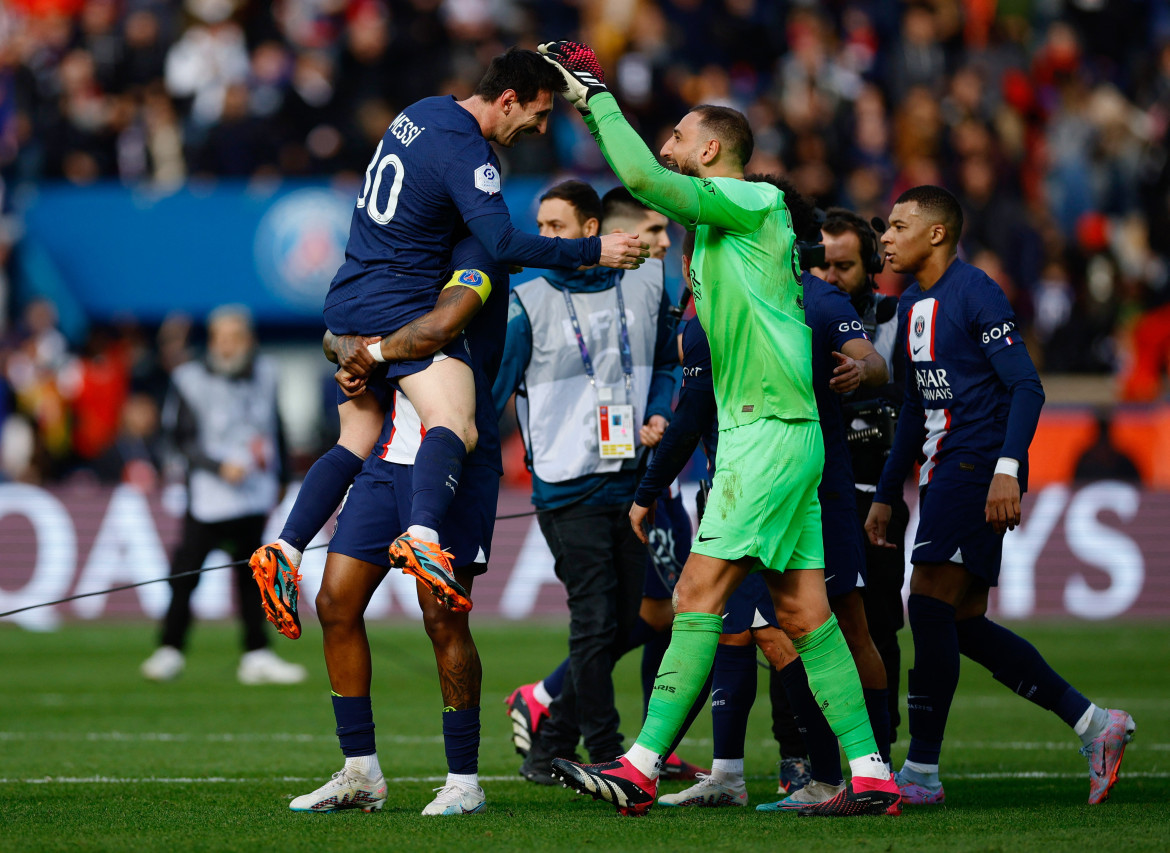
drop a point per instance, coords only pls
(853, 257)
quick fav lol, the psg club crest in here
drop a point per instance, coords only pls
(919, 326)
(300, 243)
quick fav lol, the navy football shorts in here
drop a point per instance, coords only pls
(377, 510)
(953, 528)
(670, 545)
(385, 377)
(750, 606)
(844, 543)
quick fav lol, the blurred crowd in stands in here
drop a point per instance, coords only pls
(1050, 120)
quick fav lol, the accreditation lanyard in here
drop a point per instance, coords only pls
(624, 346)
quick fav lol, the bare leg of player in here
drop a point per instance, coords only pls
(460, 676)
(444, 396)
(345, 593)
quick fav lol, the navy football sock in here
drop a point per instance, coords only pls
(824, 753)
(930, 685)
(321, 492)
(877, 703)
(355, 725)
(1015, 662)
(437, 467)
(733, 691)
(784, 726)
(653, 648)
(554, 682)
(461, 740)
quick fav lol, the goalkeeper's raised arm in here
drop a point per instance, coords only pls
(709, 143)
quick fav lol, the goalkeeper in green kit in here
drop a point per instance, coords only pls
(762, 513)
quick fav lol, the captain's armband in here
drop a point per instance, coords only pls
(474, 279)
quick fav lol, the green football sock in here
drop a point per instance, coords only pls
(833, 678)
(680, 677)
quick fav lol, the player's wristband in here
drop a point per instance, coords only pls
(1011, 467)
(375, 351)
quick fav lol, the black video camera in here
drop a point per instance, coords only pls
(870, 426)
(811, 254)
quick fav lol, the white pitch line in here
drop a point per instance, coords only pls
(221, 780)
(220, 737)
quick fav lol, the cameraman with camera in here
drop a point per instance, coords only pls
(852, 258)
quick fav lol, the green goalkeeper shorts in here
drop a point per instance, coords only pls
(763, 500)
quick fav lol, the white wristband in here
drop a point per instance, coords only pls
(375, 351)
(1011, 467)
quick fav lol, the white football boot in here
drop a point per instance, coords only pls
(262, 666)
(708, 792)
(348, 789)
(164, 665)
(455, 799)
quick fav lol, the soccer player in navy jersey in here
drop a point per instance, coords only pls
(433, 178)
(973, 400)
(358, 557)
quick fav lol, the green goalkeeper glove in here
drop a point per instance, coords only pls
(579, 66)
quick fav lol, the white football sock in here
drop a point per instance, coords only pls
(468, 780)
(645, 760)
(294, 556)
(922, 774)
(727, 770)
(426, 534)
(1091, 724)
(541, 694)
(367, 765)
(870, 766)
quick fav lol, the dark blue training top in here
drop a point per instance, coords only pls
(972, 392)
(834, 322)
(433, 178)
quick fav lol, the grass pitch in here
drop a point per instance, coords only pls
(93, 757)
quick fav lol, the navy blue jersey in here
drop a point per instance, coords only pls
(834, 322)
(697, 377)
(402, 431)
(432, 173)
(955, 401)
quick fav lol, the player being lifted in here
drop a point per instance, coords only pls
(763, 512)
(973, 400)
(433, 177)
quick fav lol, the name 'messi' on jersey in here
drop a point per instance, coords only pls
(405, 130)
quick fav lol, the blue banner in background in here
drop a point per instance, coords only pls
(107, 251)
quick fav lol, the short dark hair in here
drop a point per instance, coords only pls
(839, 220)
(803, 211)
(621, 202)
(580, 195)
(525, 72)
(731, 128)
(938, 204)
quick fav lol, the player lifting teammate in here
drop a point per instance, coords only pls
(745, 278)
(433, 177)
(972, 404)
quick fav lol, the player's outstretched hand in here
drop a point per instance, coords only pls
(623, 251)
(351, 386)
(876, 523)
(846, 375)
(1003, 503)
(652, 430)
(353, 354)
(641, 517)
(579, 66)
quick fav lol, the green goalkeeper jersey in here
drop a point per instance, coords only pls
(745, 275)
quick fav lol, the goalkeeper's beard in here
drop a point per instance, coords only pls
(689, 167)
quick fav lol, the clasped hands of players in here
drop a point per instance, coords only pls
(1002, 511)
